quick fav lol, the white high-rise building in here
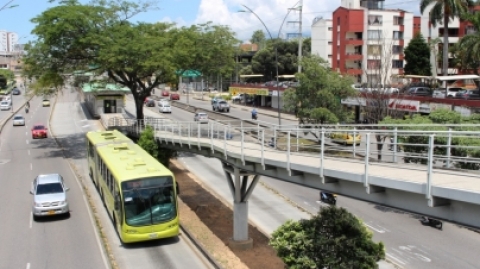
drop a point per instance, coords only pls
(322, 39)
(12, 40)
(8, 41)
(3, 41)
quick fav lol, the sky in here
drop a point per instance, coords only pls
(220, 12)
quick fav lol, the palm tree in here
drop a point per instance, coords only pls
(441, 13)
(469, 45)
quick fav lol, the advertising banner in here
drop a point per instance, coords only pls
(404, 105)
(256, 91)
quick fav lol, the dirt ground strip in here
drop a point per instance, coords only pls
(217, 226)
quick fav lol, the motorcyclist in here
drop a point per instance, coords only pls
(254, 114)
(27, 107)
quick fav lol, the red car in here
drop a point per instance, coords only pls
(174, 96)
(165, 93)
(39, 131)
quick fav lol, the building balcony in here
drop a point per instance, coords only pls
(354, 41)
(353, 56)
(354, 71)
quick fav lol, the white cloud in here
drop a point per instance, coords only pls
(272, 13)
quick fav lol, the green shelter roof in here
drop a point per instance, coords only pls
(102, 87)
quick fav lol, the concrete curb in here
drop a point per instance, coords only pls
(108, 256)
(204, 252)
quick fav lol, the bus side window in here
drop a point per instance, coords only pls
(90, 150)
(110, 182)
(107, 178)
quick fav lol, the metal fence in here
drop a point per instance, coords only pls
(393, 146)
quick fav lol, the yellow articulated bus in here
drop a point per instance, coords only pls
(140, 194)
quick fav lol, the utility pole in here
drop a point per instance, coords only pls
(300, 36)
(298, 7)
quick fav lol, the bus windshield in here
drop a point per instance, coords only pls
(149, 201)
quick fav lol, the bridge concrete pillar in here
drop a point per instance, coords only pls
(241, 187)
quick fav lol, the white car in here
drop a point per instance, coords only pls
(5, 105)
(18, 120)
(164, 108)
(201, 117)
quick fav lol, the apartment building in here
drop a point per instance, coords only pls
(8, 46)
(321, 35)
(456, 30)
(367, 39)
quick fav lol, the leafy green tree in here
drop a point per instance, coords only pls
(99, 37)
(317, 98)
(417, 55)
(263, 61)
(469, 45)
(147, 141)
(258, 37)
(442, 12)
(334, 238)
(7, 74)
(149, 144)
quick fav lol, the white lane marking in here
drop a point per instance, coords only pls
(28, 152)
(84, 120)
(27, 141)
(28, 265)
(395, 258)
(31, 166)
(85, 126)
(375, 229)
(26, 133)
(31, 220)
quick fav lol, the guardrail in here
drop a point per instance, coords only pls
(421, 150)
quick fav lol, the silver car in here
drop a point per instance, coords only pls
(18, 120)
(49, 196)
(5, 105)
(201, 117)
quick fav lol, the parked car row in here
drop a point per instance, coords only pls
(450, 92)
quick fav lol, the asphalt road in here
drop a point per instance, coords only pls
(18, 101)
(408, 243)
(56, 242)
(70, 123)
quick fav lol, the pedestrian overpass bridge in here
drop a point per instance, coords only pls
(248, 152)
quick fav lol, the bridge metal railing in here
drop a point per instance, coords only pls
(448, 151)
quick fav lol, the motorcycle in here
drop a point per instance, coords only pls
(254, 116)
(26, 110)
(435, 223)
(328, 198)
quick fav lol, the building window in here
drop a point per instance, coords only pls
(397, 35)
(374, 50)
(329, 42)
(330, 28)
(329, 55)
(397, 63)
(397, 20)
(396, 49)
(373, 64)
(452, 32)
(469, 30)
(374, 34)
(375, 20)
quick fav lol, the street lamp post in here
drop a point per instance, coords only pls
(7, 5)
(276, 52)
